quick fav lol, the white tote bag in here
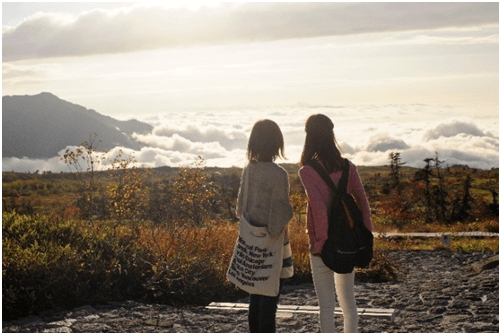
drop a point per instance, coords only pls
(257, 259)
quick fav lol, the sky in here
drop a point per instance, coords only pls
(416, 78)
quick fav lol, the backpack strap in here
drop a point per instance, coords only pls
(324, 174)
(343, 182)
(342, 185)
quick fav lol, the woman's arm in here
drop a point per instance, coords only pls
(240, 194)
(281, 211)
(317, 199)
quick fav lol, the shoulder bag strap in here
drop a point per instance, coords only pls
(246, 188)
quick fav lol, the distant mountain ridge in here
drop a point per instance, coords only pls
(39, 126)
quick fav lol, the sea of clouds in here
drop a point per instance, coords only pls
(366, 134)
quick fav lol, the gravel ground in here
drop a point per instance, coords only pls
(438, 291)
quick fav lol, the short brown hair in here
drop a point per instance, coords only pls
(266, 142)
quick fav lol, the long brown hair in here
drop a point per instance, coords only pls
(266, 142)
(320, 143)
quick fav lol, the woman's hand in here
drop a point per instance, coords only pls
(286, 232)
(313, 252)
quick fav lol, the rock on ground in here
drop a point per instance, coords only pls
(438, 291)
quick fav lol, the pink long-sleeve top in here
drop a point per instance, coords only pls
(318, 195)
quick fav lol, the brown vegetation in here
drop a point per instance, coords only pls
(168, 234)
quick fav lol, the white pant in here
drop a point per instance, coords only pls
(325, 281)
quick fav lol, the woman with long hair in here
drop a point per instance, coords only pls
(321, 146)
(267, 206)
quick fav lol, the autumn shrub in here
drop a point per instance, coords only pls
(395, 211)
(492, 226)
(381, 269)
(192, 197)
(71, 212)
(300, 252)
(190, 263)
(50, 263)
(54, 263)
(473, 244)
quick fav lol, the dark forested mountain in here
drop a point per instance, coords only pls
(39, 126)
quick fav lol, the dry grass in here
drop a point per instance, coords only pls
(381, 224)
(214, 245)
(300, 251)
(457, 244)
(50, 261)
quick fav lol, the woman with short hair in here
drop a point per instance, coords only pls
(267, 206)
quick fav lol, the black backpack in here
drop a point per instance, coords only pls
(349, 242)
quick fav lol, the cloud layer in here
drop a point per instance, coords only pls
(146, 27)
(179, 139)
(454, 128)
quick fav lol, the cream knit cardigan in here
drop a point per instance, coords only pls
(268, 202)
